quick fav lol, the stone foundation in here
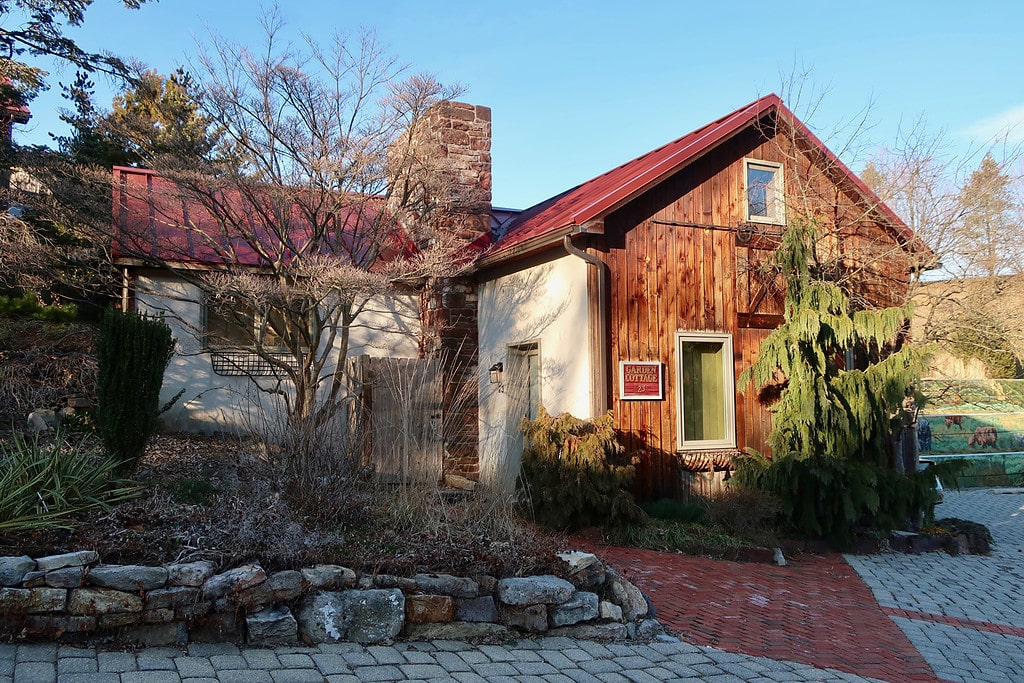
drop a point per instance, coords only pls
(73, 598)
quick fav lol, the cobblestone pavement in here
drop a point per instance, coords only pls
(965, 615)
(545, 660)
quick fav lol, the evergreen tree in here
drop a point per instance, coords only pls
(990, 225)
(132, 354)
(37, 28)
(155, 116)
(823, 407)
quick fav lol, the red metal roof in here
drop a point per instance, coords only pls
(154, 220)
(570, 211)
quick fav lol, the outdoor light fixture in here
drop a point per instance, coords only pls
(495, 372)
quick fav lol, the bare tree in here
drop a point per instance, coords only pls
(967, 207)
(316, 205)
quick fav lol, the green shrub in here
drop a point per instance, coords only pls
(574, 477)
(44, 485)
(675, 511)
(28, 306)
(832, 497)
(132, 353)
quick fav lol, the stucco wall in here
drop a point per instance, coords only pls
(546, 304)
(215, 403)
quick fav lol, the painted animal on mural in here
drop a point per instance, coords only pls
(984, 436)
(957, 420)
(924, 435)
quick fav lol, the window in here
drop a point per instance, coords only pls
(765, 192)
(241, 326)
(705, 391)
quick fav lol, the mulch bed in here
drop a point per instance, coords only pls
(221, 499)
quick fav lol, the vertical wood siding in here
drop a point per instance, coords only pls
(667, 277)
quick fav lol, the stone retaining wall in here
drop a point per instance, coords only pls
(71, 597)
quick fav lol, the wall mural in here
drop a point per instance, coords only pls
(982, 420)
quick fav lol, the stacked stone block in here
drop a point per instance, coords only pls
(71, 597)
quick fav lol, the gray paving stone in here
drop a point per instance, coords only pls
(77, 665)
(557, 678)
(359, 658)
(154, 661)
(474, 657)
(598, 666)
(496, 653)
(468, 677)
(639, 676)
(524, 655)
(224, 662)
(194, 667)
(423, 670)
(37, 652)
(244, 676)
(418, 657)
(492, 670)
(368, 674)
(262, 658)
(534, 668)
(116, 662)
(451, 662)
(297, 676)
(151, 676)
(90, 677)
(611, 677)
(34, 671)
(343, 678)
(385, 655)
(331, 664)
(296, 661)
(556, 659)
(211, 649)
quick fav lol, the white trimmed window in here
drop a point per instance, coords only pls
(765, 192)
(705, 391)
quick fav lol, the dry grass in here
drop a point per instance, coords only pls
(221, 499)
(42, 364)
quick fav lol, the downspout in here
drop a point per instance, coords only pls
(597, 329)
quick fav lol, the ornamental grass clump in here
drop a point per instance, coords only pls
(574, 475)
(46, 484)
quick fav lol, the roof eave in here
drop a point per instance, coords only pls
(537, 244)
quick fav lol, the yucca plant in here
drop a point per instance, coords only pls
(46, 485)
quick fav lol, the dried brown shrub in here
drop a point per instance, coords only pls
(42, 364)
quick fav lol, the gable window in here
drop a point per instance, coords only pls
(765, 192)
(705, 391)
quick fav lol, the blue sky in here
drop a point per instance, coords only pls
(577, 88)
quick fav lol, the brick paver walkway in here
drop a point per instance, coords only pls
(816, 611)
